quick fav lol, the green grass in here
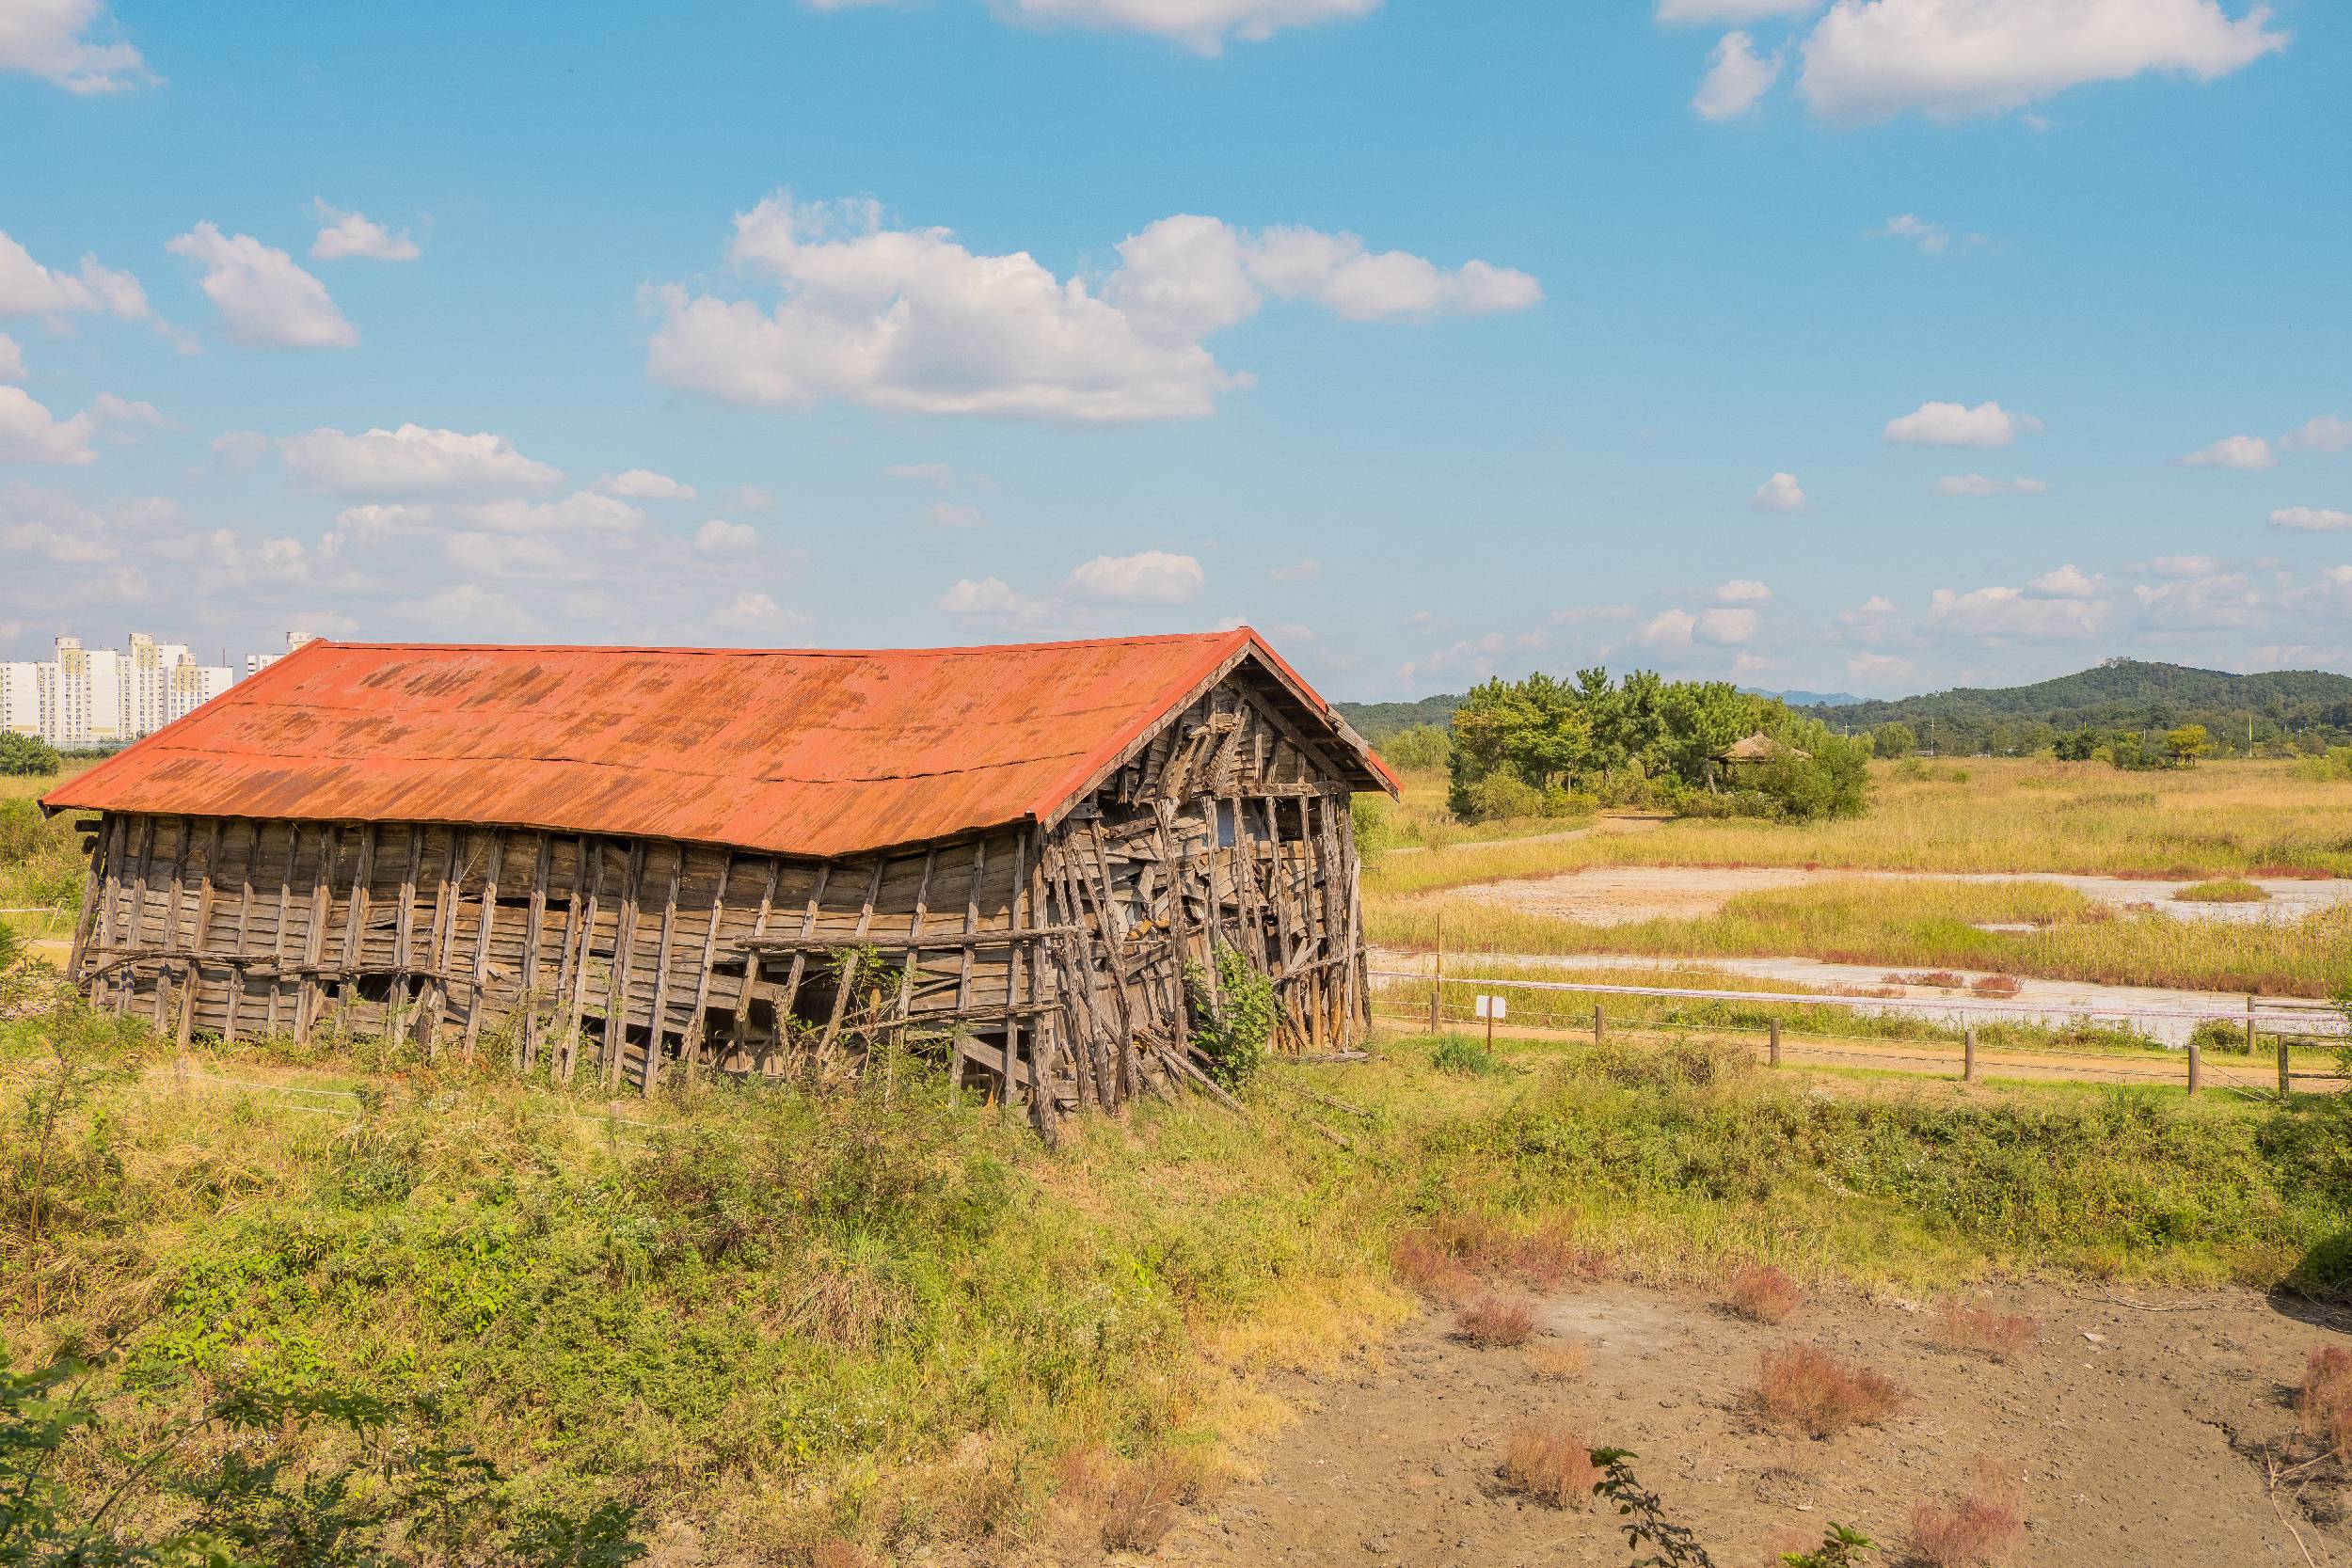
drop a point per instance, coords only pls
(2221, 890)
(773, 1320)
(41, 869)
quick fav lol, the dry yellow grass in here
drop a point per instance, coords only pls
(1999, 815)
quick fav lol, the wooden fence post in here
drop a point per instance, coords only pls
(1776, 1027)
(2249, 1027)
(1968, 1054)
(1601, 1023)
(2286, 1073)
(2195, 1067)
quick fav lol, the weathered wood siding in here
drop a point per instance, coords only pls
(1055, 952)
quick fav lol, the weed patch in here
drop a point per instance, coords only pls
(1762, 1294)
(1495, 1323)
(1551, 1464)
(1806, 1391)
(2003, 1335)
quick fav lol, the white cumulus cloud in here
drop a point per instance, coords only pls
(68, 42)
(30, 433)
(1727, 12)
(29, 289)
(1730, 626)
(2233, 452)
(720, 537)
(644, 485)
(413, 462)
(263, 298)
(1204, 26)
(1780, 493)
(1932, 238)
(908, 321)
(955, 515)
(345, 235)
(2310, 519)
(1953, 425)
(2010, 613)
(1737, 77)
(2069, 581)
(1742, 591)
(1669, 628)
(12, 359)
(1979, 484)
(1149, 577)
(2323, 433)
(1873, 59)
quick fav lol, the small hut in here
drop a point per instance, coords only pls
(1756, 747)
(630, 862)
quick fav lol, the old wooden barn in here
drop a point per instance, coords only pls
(637, 861)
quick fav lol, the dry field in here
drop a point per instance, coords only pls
(2031, 1423)
(1971, 822)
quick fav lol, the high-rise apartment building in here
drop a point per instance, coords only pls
(96, 697)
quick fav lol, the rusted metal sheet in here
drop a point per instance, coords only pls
(804, 752)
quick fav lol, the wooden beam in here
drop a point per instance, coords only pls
(482, 937)
(534, 931)
(183, 835)
(246, 894)
(657, 1014)
(800, 962)
(576, 1010)
(690, 1043)
(849, 971)
(285, 909)
(404, 929)
(624, 959)
(192, 975)
(751, 961)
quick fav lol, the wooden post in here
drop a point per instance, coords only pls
(2250, 1042)
(309, 1000)
(245, 920)
(403, 924)
(2195, 1067)
(847, 982)
(690, 1043)
(1601, 1023)
(624, 959)
(482, 939)
(2286, 1073)
(1436, 987)
(1776, 1027)
(658, 1014)
(1968, 1054)
(906, 971)
(526, 1048)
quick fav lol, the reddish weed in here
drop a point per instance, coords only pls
(1763, 1294)
(1804, 1390)
(1562, 1361)
(1427, 1267)
(1550, 1464)
(2325, 1405)
(1998, 984)
(1968, 1532)
(2003, 1335)
(1492, 1322)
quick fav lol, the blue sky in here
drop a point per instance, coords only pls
(1855, 346)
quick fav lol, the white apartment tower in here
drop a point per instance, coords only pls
(92, 697)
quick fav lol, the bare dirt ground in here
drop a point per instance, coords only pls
(2135, 1434)
(1622, 894)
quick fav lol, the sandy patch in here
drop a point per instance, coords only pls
(1623, 895)
(2134, 1437)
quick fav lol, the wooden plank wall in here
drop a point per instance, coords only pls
(474, 939)
(1022, 956)
(1231, 829)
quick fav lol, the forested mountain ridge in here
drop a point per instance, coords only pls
(2120, 694)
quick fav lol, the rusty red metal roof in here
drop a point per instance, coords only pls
(803, 752)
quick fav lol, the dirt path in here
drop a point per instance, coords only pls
(2134, 1438)
(1606, 825)
(1624, 894)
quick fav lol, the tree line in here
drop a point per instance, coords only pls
(1550, 746)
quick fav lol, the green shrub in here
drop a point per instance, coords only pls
(1233, 1022)
(2220, 1034)
(1464, 1055)
(21, 756)
(1499, 797)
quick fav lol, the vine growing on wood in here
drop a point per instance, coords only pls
(1233, 1022)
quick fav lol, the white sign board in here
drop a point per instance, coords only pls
(1493, 1006)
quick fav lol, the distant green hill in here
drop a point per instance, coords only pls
(2120, 694)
